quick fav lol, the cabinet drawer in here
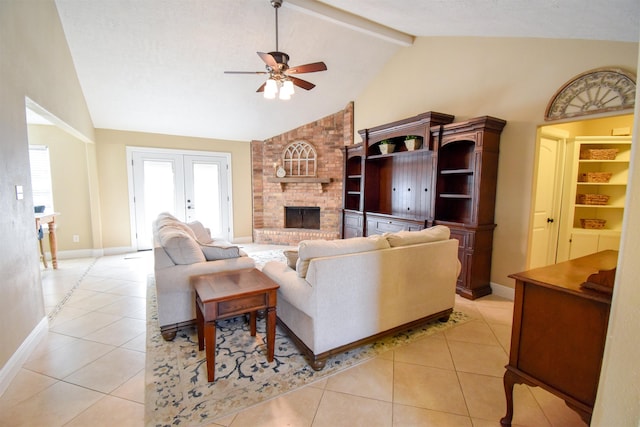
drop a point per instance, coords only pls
(380, 225)
(241, 305)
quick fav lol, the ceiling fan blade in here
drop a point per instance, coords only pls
(307, 68)
(261, 88)
(269, 60)
(245, 72)
(302, 83)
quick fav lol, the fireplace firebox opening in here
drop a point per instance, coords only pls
(302, 217)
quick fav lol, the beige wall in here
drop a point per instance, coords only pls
(34, 62)
(112, 170)
(70, 185)
(512, 79)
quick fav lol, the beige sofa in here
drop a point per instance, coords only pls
(180, 251)
(343, 293)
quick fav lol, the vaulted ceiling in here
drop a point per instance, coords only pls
(158, 65)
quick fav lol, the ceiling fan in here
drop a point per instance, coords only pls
(280, 73)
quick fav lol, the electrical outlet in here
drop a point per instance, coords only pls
(76, 238)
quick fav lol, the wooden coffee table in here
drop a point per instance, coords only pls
(229, 294)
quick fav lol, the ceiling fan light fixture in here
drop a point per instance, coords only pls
(277, 66)
(284, 95)
(270, 89)
(287, 87)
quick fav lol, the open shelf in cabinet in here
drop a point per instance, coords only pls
(596, 175)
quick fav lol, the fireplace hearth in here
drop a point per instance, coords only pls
(307, 217)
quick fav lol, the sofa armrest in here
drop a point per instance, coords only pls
(161, 258)
(293, 288)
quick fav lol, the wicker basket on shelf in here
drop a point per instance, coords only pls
(592, 199)
(599, 154)
(592, 223)
(595, 177)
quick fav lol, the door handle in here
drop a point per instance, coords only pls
(549, 220)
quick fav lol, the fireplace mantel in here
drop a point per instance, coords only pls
(300, 180)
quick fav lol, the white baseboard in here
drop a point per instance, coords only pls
(79, 253)
(503, 291)
(247, 239)
(14, 364)
(119, 250)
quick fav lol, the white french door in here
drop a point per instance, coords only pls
(193, 186)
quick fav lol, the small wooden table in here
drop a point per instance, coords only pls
(229, 294)
(50, 220)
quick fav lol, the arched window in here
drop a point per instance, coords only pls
(299, 159)
(593, 92)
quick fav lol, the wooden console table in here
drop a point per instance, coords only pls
(559, 331)
(50, 220)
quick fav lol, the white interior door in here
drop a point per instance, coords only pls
(547, 199)
(190, 187)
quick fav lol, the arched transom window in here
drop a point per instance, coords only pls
(299, 159)
(596, 91)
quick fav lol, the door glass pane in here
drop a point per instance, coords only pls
(159, 190)
(206, 195)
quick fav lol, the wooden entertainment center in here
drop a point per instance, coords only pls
(450, 180)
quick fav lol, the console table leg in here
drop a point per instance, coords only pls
(509, 380)
(271, 332)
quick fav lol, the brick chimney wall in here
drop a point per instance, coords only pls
(328, 136)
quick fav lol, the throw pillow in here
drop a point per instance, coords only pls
(214, 251)
(180, 246)
(203, 235)
(309, 249)
(292, 257)
(406, 238)
(174, 223)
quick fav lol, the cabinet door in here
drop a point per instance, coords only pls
(353, 223)
(606, 242)
(583, 244)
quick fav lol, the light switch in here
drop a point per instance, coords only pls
(19, 192)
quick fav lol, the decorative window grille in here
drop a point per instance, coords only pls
(299, 159)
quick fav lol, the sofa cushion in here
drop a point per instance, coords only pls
(181, 247)
(202, 234)
(309, 249)
(213, 251)
(405, 238)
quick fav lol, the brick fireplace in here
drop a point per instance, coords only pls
(272, 194)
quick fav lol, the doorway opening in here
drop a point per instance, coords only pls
(553, 236)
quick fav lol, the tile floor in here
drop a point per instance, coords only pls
(89, 370)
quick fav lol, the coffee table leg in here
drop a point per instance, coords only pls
(271, 332)
(252, 322)
(210, 348)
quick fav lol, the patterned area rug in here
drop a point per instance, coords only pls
(263, 257)
(178, 394)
